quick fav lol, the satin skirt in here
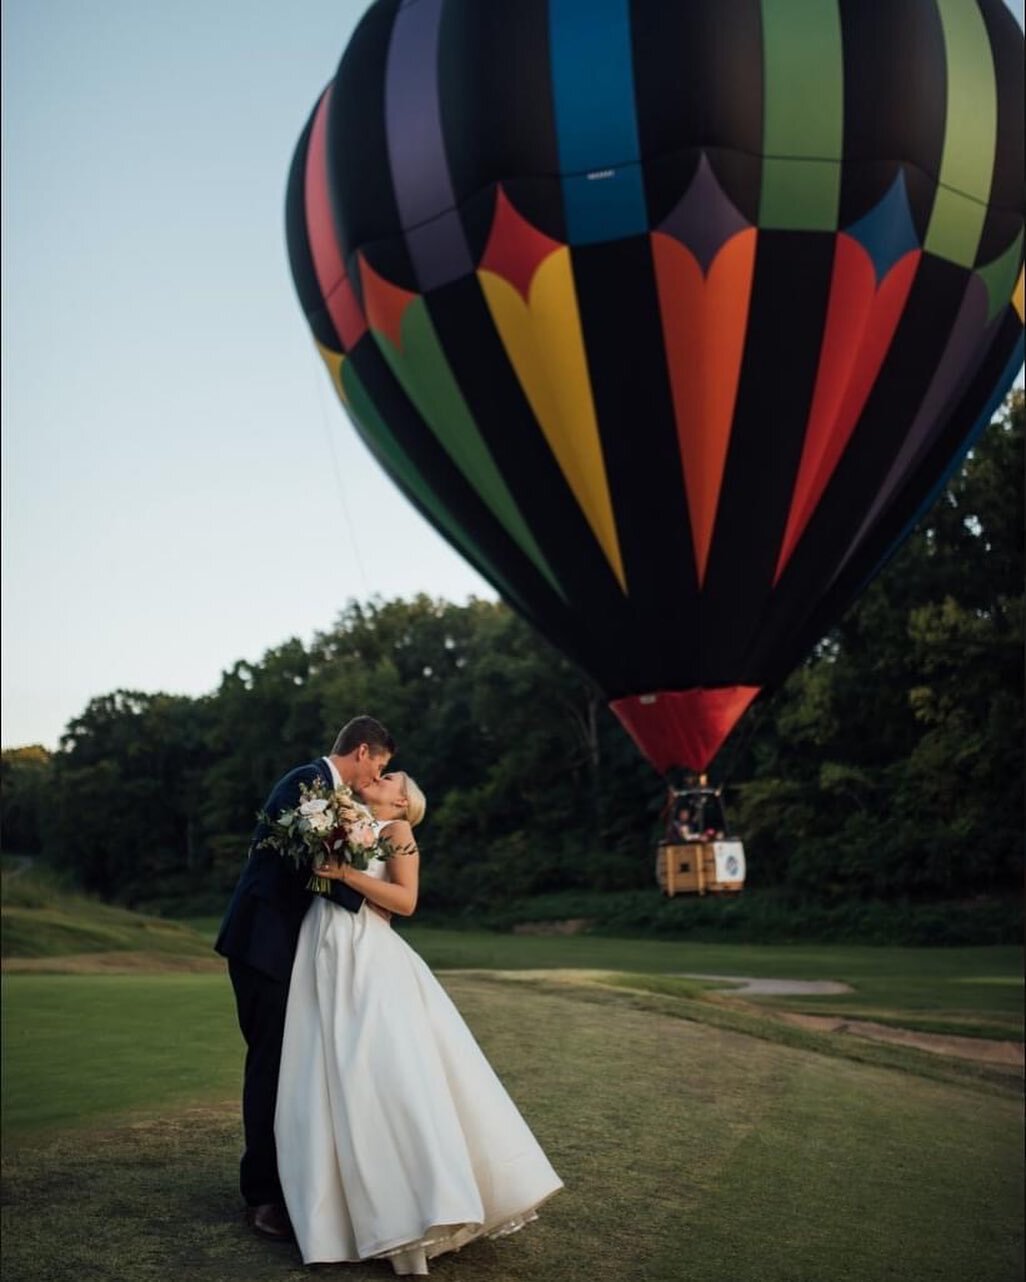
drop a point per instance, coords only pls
(395, 1137)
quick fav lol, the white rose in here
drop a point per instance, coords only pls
(313, 807)
(318, 823)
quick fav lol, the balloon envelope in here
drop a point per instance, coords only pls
(672, 317)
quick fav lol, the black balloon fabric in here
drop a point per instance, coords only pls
(672, 316)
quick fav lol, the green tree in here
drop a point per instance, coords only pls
(127, 780)
(891, 762)
(25, 777)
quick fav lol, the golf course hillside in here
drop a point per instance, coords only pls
(47, 926)
(723, 1113)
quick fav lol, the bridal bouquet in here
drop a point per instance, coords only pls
(326, 824)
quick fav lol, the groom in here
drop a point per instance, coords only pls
(258, 936)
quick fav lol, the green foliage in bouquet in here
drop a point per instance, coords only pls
(328, 825)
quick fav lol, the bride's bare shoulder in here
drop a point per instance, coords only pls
(399, 833)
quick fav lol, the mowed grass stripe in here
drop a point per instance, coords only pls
(83, 1047)
(979, 982)
(642, 992)
(689, 1152)
(969, 991)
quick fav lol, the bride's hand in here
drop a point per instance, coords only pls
(337, 872)
(333, 872)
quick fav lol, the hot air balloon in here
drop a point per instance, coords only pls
(672, 316)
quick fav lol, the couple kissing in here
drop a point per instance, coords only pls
(374, 1125)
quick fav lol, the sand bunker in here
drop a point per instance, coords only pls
(749, 986)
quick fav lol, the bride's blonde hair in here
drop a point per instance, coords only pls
(416, 802)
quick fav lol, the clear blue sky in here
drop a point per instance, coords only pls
(171, 500)
(180, 487)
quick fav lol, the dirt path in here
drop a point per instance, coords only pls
(981, 1049)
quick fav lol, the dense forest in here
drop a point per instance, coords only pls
(888, 768)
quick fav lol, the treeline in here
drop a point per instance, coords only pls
(889, 766)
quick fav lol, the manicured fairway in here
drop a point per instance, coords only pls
(83, 1047)
(813, 961)
(689, 1152)
(967, 991)
(981, 983)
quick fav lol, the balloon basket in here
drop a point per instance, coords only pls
(700, 867)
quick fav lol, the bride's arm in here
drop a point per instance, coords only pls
(399, 893)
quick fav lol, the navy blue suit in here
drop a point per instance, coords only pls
(258, 935)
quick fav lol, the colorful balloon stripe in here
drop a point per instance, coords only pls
(679, 310)
(416, 148)
(803, 122)
(366, 419)
(860, 324)
(593, 92)
(874, 266)
(999, 276)
(528, 282)
(515, 249)
(402, 328)
(334, 284)
(704, 317)
(964, 182)
(968, 344)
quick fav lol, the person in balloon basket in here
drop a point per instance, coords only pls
(258, 937)
(395, 1138)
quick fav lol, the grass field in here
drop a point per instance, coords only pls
(970, 991)
(41, 918)
(701, 1139)
(687, 1151)
(85, 1047)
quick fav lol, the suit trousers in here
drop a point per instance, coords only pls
(260, 1002)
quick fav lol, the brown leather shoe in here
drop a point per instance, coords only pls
(271, 1221)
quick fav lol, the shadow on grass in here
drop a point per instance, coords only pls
(144, 1201)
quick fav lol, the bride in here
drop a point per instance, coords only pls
(395, 1137)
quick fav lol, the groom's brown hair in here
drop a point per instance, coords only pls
(366, 730)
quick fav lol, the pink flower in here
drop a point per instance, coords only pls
(363, 835)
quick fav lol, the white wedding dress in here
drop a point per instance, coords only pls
(395, 1138)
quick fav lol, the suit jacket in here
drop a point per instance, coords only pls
(261, 925)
